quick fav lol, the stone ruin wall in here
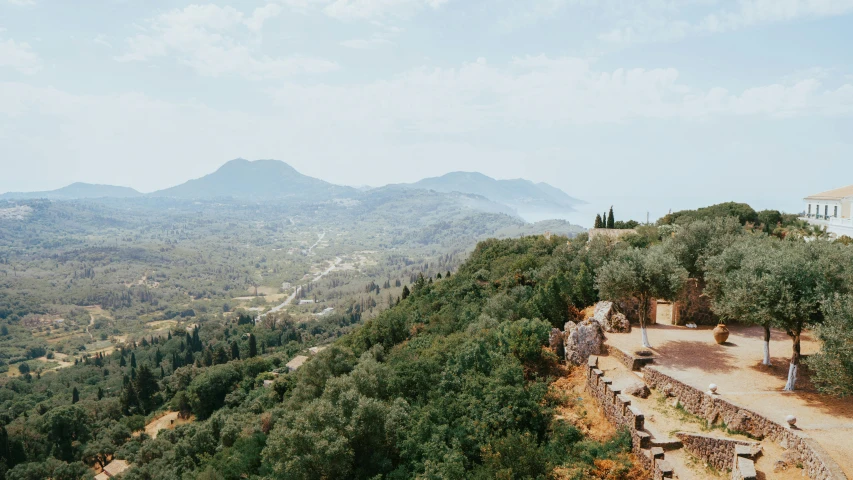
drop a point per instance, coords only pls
(691, 306)
(817, 464)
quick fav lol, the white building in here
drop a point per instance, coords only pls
(831, 209)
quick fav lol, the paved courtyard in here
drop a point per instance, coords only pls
(692, 356)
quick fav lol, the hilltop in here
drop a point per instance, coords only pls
(522, 195)
(258, 180)
(77, 190)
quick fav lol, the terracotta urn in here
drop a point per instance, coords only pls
(721, 333)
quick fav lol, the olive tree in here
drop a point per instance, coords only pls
(741, 286)
(643, 275)
(774, 283)
(833, 365)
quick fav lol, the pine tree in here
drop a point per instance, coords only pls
(610, 221)
(405, 292)
(253, 346)
(597, 221)
(75, 395)
(235, 351)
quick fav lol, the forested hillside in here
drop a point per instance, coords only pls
(452, 382)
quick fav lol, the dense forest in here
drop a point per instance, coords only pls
(453, 380)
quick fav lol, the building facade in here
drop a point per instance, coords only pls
(831, 209)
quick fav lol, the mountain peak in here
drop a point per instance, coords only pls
(259, 180)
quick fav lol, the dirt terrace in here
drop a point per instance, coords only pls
(692, 356)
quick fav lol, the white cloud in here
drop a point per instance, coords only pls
(367, 9)
(757, 12)
(101, 39)
(217, 41)
(262, 14)
(19, 56)
(366, 43)
(378, 39)
(656, 20)
(543, 91)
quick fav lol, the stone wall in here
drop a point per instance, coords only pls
(619, 411)
(693, 306)
(715, 451)
(817, 464)
(633, 362)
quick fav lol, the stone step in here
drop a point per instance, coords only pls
(667, 444)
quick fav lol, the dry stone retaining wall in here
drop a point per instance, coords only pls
(619, 411)
(715, 451)
(818, 465)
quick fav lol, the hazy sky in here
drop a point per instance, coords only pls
(674, 103)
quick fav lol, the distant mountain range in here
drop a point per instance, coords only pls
(77, 191)
(522, 195)
(274, 180)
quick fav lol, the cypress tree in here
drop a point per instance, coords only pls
(132, 360)
(405, 292)
(597, 221)
(253, 346)
(100, 393)
(610, 221)
(129, 401)
(220, 357)
(196, 343)
(235, 351)
(75, 395)
(122, 362)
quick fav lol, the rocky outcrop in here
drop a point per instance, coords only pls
(637, 389)
(610, 320)
(582, 340)
(555, 342)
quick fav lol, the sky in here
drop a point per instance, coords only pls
(646, 105)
